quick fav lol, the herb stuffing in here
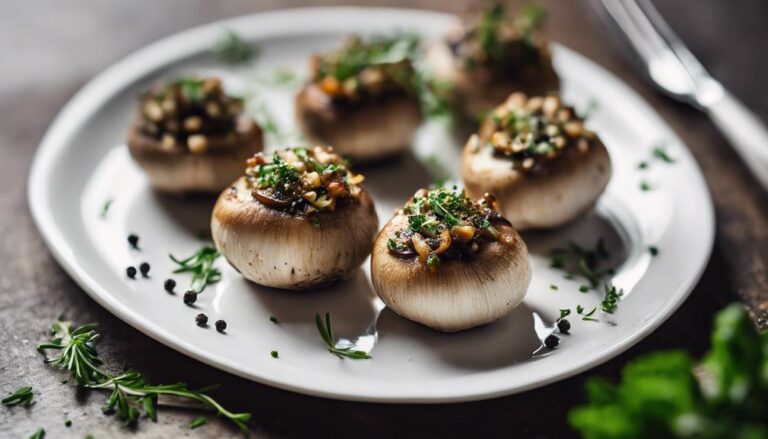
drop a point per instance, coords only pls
(367, 68)
(500, 43)
(377, 67)
(73, 349)
(445, 224)
(185, 114)
(302, 181)
(533, 131)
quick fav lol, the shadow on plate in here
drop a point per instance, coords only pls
(191, 212)
(507, 341)
(350, 304)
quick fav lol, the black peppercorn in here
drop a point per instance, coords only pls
(133, 239)
(169, 285)
(190, 297)
(131, 272)
(551, 341)
(201, 319)
(221, 325)
(563, 326)
(144, 268)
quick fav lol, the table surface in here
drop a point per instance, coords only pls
(50, 48)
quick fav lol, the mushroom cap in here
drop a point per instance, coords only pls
(370, 130)
(544, 198)
(477, 91)
(275, 249)
(178, 170)
(463, 293)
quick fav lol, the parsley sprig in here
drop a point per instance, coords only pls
(326, 332)
(130, 394)
(23, 397)
(201, 265)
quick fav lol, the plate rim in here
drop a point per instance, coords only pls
(101, 88)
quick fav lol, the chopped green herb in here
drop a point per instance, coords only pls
(39, 434)
(232, 49)
(273, 319)
(642, 165)
(553, 287)
(105, 208)
(75, 351)
(201, 265)
(326, 332)
(586, 262)
(588, 316)
(274, 354)
(579, 309)
(23, 396)
(645, 186)
(611, 299)
(198, 422)
(584, 288)
(592, 106)
(565, 313)
(653, 250)
(661, 153)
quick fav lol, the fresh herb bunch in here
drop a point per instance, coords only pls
(232, 49)
(130, 394)
(201, 265)
(665, 394)
(326, 332)
(23, 397)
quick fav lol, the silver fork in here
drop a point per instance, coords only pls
(675, 71)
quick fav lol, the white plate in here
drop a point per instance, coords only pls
(81, 163)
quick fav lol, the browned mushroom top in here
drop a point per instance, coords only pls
(445, 224)
(501, 44)
(302, 181)
(187, 111)
(531, 132)
(366, 68)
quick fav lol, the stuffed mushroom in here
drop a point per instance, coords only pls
(362, 99)
(490, 56)
(297, 220)
(537, 157)
(189, 136)
(450, 263)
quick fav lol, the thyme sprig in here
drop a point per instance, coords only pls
(130, 394)
(23, 397)
(326, 332)
(201, 265)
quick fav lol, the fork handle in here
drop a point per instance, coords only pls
(744, 131)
